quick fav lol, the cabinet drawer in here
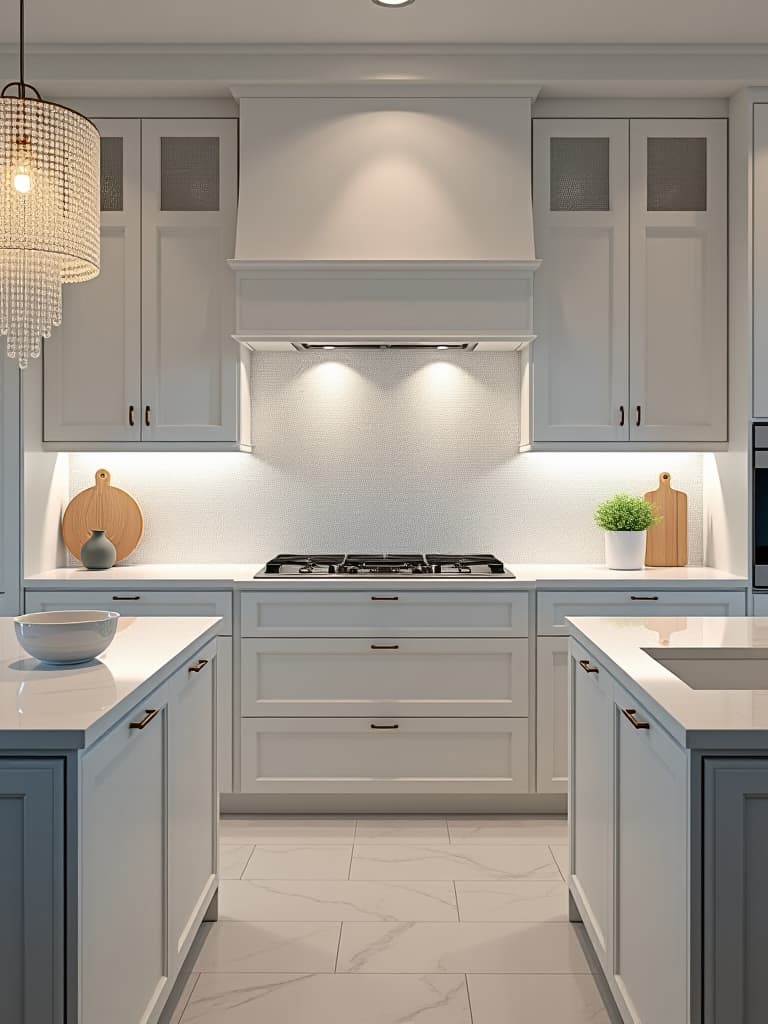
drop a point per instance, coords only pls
(384, 612)
(137, 602)
(552, 607)
(385, 755)
(484, 676)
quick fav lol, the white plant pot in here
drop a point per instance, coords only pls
(625, 549)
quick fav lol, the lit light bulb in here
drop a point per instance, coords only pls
(329, 348)
(22, 180)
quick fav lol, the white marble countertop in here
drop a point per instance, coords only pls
(58, 707)
(734, 716)
(527, 576)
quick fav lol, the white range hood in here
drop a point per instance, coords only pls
(385, 221)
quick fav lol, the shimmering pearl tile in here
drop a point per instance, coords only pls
(453, 862)
(232, 860)
(404, 829)
(328, 999)
(560, 853)
(515, 828)
(487, 948)
(512, 901)
(269, 828)
(248, 900)
(299, 861)
(536, 999)
(274, 946)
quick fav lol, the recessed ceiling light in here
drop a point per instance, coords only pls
(393, 3)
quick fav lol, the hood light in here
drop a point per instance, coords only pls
(307, 346)
(393, 3)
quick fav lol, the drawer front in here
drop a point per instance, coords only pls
(377, 613)
(385, 676)
(552, 607)
(387, 755)
(137, 602)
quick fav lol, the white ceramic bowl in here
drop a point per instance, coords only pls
(66, 638)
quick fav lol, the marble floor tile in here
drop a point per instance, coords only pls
(536, 999)
(512, 901)
(380, 829)
(467, 947)
(232, 859)
(270, 828)
(269, 947)
(328, 999)
(299, 861)
(514, 828)
(453, 862)
(249, 900)
(560, 853)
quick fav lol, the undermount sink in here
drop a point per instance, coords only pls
(705, 668)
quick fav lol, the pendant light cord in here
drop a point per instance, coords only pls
(22, 88)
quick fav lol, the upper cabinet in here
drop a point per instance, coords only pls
(144, 359)
(631, 298)
(760, 261)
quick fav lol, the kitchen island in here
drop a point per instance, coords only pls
(668, 812)
(108, 817)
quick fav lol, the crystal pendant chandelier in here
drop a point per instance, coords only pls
(49, 210)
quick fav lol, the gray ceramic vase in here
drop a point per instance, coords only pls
(98, 552)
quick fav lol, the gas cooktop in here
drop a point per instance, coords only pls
(385, 565)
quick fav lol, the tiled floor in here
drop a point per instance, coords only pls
(387, 920)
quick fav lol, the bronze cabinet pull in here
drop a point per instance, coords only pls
(374, 726)
(588, 666)
(621, 416)
(631, 716)
(198, 666)
(375, 598)
(147, 416)
(643, 597)
(149, 714)
(385, 647)
(131, 417)
(125, 597)
(637, 415)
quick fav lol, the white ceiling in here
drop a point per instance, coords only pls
(360, 21)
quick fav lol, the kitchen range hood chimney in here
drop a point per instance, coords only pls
(384, 217)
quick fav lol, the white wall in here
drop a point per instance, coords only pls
(384, 451)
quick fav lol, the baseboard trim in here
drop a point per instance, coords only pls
(381, 803)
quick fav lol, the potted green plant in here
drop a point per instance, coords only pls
(625, 520)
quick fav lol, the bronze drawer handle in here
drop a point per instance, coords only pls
(621, 416)
(395, 598)
(588, 666)
(631, 716)
(120, 597)
(643, 597)
(638, 415)
(374, 726)
(385, 647)
(198, 666)
(149, 714)
(131, 417)
(147, 416)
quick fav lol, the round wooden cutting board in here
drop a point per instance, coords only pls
(106, 508)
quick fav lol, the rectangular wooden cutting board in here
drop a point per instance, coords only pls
(667, 541)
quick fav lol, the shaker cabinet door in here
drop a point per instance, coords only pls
(678, 280)
(581, 290)
(92, 362)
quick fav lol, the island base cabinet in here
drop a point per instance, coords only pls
(735, 890)
(591, 695)
(124, 961)
(650, 960)
(32, 917)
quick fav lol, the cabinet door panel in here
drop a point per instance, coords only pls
(92, 362)
(552, 715)
(123, 944)
(189, 205)
(679, 280)
(192, 801)
(650, 962)
(735, 890)
(580, 357)
(760, 257)
(590, 797)
(32, 891)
